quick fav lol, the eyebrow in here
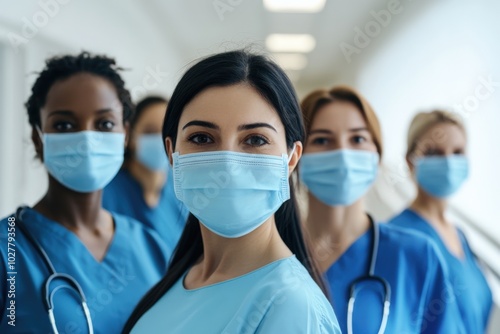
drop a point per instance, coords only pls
(242, 127)
(205, 124)
(325, 131)
(70, 113)
(256, 125)
(359, 129)
(328, 132)
(104, 111)
(60, 112)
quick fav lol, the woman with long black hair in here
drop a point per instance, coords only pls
(233, 133)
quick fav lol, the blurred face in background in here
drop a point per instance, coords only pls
(341, 159)
(149, 123)
(339, 125)
(442, 139)
(147, 143)
(438, 162)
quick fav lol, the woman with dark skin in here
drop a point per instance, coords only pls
(78, 111)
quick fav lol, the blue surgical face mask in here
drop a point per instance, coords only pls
(151, 152)
(83, 161)
(441, 176)
(340, 177)
(231, 193)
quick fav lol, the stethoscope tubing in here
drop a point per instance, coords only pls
(54, 275)
(371, 277)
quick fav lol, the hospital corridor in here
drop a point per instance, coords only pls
(249, 167)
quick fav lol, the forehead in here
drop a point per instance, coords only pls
(152, 113)
(338, 115)
(443, 134)
(230, 105)
(82, 91)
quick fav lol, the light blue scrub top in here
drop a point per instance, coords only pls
(277, 298)
(135, 260)
(418, 280)
(473, 294)
(124, 195)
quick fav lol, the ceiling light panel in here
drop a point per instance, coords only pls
(290, 43)
(294, 6)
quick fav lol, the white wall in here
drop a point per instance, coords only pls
(121, 29)
(439, 60)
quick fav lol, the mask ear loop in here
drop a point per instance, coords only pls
(291, 153)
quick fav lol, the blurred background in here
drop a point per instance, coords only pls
(404, 56)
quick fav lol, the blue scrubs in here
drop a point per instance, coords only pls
(413, 268)
(473, 294)
(280, 297)
(124, 195)
(135, 260)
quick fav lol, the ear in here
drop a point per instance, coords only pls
(170, 150)
(294, 159)
(409, 160)
(37, 141)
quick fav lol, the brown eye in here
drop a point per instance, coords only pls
(358, 139)
(320, 141)
(431, 152)
(63, 126)
(106, 125)
(200, 139)
(256, 141)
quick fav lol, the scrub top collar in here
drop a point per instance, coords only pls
(45, 229)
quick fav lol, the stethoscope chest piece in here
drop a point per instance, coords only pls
(370, 277)
(47, 293)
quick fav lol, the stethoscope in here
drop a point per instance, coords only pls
(46, 293)
(371, 277)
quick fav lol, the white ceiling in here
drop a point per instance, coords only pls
(189, 29)
(198, 30)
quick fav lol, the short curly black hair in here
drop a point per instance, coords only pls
(62, 67)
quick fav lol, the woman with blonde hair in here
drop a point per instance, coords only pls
(382, 279)
(436, 158)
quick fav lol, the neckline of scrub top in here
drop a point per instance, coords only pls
(359, 242)
(35, 219)
(264, 267)
(462, 259)
(352, 250)
(140, 191)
